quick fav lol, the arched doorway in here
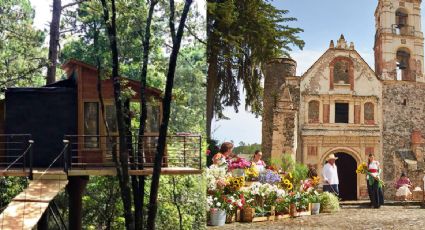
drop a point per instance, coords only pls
(347, 176)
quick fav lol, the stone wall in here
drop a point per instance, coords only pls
(403, 113)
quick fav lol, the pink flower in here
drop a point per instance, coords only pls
(208, 152)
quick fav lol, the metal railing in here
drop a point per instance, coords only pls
(93, 151)
(403, 30)
(16, 152)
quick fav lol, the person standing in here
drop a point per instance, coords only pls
(330, 175)
(375, 191)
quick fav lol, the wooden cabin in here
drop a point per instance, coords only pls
(70, 109)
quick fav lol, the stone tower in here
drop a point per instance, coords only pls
(279, 80)
(399, 60)
(399, 52)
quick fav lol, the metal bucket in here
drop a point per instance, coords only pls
(315, 208)
(218, 217)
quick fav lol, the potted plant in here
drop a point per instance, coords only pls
(282, 206)
(315, 203)
(233, 202)
(217, 208)
(238, 165)
(329, 202)
(293, 199)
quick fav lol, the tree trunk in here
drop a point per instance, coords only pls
(54, 41)
(166, 104)
(211, 76)
(139, 211)
(122, 163)
(211, 90)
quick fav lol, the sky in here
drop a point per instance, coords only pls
(322, 21)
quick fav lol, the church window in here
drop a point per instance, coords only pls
(341, 72)
(369, 110)
(403, 67)
(341, 112)
(313, 112)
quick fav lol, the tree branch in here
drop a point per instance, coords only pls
(73, 4)
(194, 35)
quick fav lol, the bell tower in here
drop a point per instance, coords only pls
(399, 42)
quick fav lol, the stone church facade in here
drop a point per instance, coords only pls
(341, 105)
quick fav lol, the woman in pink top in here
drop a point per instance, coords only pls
(256, 160)
(403, 184)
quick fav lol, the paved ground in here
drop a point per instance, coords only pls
(350, 217)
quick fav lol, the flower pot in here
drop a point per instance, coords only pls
(238, 172)
(293, 210)
(315, 208)
(218, 217)
(230, 218)
(247, 214)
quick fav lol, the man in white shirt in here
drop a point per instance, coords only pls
(330, 175)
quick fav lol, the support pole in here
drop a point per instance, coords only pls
(76, 187)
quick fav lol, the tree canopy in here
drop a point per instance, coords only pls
(243, 35)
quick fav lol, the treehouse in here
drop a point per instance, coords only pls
(69, 128)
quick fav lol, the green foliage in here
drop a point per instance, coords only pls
(186, 193)
(329, 202)
(243, 35)
(299, 173)
(188, 106)
(285, 163)
(247, 149)
(21, 53)
(9, 188)
(102, 207)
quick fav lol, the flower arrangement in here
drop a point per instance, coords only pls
(269, 177)
(252, 172)
(238, 163)
(306, 186)
(216, 178)
(286, 181)
(234, 183)
(362, 169)
(235, 201)
(216, 201)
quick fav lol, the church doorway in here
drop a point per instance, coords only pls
(347, 176)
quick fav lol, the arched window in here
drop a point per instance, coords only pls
(403, 65)
(401, 26)
(369, 113)
(341, 72)
(313, 112)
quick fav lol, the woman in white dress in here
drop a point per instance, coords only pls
(403, 186)
(375, 191)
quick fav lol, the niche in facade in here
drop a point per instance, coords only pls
(341, 112)
(341, 72)
(313, 112)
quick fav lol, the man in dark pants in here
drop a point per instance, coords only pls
(330, 176)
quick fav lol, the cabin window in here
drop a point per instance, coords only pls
(341, 72)
(91, 125)
(111, 118)
(313, 112)
(152, 122)
(341, 112)
(369, 116)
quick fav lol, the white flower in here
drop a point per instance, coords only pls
(218, 204)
